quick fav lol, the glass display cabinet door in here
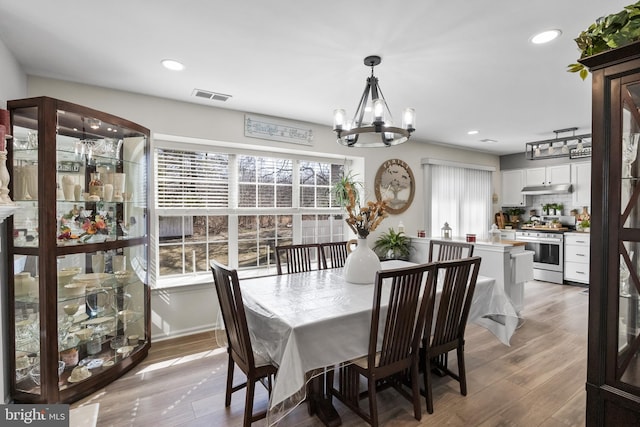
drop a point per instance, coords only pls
(627, 367)
(25, 178)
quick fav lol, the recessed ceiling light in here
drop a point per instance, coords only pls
(545, 36)
(173, 65)
(472, 132)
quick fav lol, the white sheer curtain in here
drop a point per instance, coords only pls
(460, 196)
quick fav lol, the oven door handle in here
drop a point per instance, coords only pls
(539, 240)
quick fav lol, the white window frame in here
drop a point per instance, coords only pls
(172, 142)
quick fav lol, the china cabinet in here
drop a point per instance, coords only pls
(78, 282)
(613, 367)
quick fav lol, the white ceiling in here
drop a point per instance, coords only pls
(462, 65)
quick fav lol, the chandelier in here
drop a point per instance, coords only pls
(382, 132)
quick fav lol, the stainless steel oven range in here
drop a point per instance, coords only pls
(548, 258)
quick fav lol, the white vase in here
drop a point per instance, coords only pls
(361, 264)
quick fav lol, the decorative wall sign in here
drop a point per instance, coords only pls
(276, 130)
(395, 184)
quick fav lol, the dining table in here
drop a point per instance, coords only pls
(308, 322)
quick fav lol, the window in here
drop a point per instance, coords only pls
(236, 207)
(460, 196)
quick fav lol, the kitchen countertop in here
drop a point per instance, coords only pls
(502, 246)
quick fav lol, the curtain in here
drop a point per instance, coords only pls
(461, 197)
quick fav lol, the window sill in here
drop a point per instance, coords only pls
(197, 279)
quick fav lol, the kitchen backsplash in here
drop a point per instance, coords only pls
(536, 202)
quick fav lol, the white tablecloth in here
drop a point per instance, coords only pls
(311, 320)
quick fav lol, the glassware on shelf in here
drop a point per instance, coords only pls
(97, 300)
(94, 344)
(629, 152)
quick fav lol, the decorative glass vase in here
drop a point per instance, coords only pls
(361, 264)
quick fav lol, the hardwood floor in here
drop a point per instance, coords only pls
(538, 381)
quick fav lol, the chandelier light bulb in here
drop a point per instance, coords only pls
(409, 118)
(339, 119)
(565, 148)
(378, 111)
(551, 149)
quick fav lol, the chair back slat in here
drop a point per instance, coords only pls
(334, 254)
(297, 258)
(235, 322)
(446, 250)
(458, 285)
(405, 317)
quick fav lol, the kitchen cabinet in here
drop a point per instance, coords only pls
(547, 175)
(512, 183)
(613, 365)
(78, 310)
(581, 181)
(576, 257)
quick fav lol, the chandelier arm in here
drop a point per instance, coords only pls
(386, 106)
(358, 117)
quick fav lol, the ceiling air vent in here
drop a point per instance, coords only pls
(488, 140)
(213, 96)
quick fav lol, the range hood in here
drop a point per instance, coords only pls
(534, 190)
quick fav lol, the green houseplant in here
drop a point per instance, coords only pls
(393, 245)
(607, 33)
(341, 189)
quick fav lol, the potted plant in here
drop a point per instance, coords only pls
(514, 214)
(607, 33)
(393, 245)
(559, 207)
(341, 189)
(545, 209)
(585, 225)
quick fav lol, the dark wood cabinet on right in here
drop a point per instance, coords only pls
(613, 367)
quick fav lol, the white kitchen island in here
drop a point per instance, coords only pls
(507, 262)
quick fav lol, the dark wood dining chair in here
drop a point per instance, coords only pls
(298, 258)
(446, 250)
(447, 319)
(334, 254)
(399, 342)
(255, 367)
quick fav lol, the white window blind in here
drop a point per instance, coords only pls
(461, 197)
(187, 179)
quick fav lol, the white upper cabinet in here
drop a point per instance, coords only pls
(547, 175)
(581, 180)
(512, 183)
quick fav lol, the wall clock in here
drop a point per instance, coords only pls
(395, 184)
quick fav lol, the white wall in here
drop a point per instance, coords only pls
(13, 85)
(183, 311)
